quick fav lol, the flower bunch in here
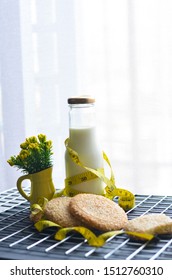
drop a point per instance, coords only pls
(35, 155)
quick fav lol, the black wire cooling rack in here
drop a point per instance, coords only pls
(20, 240)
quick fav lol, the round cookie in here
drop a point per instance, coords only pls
(98, 212)
(57, 211)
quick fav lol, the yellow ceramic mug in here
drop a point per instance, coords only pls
(41, 185)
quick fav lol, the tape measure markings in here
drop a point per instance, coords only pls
(79, 178)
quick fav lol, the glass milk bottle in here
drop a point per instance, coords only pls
(83, 139)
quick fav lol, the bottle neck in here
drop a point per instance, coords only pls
(82, 116)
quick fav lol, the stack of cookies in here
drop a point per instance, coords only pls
(90, 210)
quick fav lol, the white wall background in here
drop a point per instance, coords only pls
(119, 51)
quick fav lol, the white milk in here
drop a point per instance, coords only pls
(83, 141)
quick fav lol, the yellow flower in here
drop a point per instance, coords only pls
(31, 139)
(34, 156)
(33, 146)
(24, 145)
(48, 144)
(42, 138)
(23, 154)
(10, 161)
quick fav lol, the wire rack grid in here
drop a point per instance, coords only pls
(20, 240)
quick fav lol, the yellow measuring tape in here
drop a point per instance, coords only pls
(92, 239)
(126, 199)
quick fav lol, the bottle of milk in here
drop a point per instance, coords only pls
(83, 139)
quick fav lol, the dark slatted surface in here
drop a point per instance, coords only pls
(20, 240)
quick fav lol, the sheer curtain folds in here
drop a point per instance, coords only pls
(119, 51)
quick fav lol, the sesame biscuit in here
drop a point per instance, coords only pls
(150, 223)
(57, 211)
(98, 212)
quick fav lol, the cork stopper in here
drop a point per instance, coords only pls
(83, 99)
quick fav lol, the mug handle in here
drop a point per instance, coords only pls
(19, 186)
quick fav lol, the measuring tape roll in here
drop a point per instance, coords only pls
(126, 198)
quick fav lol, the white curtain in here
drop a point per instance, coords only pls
(119, 51)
